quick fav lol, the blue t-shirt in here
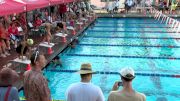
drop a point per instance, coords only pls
(13, 94)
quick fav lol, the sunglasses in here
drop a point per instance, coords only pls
(36, 55)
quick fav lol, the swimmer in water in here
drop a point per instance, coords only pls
(57, 62)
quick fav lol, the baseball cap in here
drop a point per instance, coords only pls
(127, 73)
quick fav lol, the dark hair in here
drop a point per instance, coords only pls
(60, 25)
(85, 75)
(56, 58)
(83, 15)
(83, 9)
(126, 79)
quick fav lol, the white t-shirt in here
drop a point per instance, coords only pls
(84, 92)
(129, 2)
(116, 4)
(83, 5)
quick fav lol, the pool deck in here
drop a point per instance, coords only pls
(60, 46)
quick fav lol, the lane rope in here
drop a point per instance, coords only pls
(119, 45)
(116, 56)
(130, 31)
(165, 38)
(117, 73)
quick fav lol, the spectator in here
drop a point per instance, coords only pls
(128, 5)
(83, 5)
(35, 84)
(83, 12)
(173, 7)
(14, 33)
(4, 42)
(71, 21)
(62, 11)
(109, 7)
(7, 79)
(116, 6)
(88, 6)
(37, 22)
(161, 6)
(52, 10)
(2, 54)
(84, 90)
(127, 93)
(22, 20)
(166, 7)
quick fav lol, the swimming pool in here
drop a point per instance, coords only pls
(114, 43)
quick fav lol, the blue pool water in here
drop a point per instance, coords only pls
(109, 46)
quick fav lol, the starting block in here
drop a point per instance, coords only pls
(21, 63)
(63, 36)
(84, 20)
(72, 29)
(79, 25)
(47, 46)
(60, 34)
(89, 17)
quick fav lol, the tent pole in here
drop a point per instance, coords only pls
(167, 3)
(27, 30)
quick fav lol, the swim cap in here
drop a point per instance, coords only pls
(30, 41)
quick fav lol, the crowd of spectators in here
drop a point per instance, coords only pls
(170, 7)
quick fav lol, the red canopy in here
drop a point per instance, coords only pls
(34, 4)
(18, 6)
(9, 7)
(68, 1)
(55, 2)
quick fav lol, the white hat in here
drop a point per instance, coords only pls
(127, 72)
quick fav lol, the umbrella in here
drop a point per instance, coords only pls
(34, 4)
(8, 7)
